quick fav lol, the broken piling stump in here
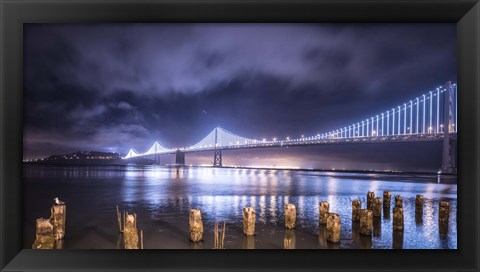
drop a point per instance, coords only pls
(398, 219)
(377, 207)
(443, 211)
(366, 222)
(398, 201)
(44, 237)
(419, 204)
(290, 216)
(333, 228)
(323, 212)
(195, 225)
(370, 197)
(356, 206)
(57, 217)
(248, 221)
(387, 199)
(130, 232)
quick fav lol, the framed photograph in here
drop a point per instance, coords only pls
(217, 135)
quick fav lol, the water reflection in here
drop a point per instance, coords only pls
(397, 239)
(386, 212)
(289, 241)
(377, 227)
(248, 242)
(365, 242)
(164, 196)
(322, 236)
(419, 218)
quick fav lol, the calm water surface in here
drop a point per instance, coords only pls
(162, 198)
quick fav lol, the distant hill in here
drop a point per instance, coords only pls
(89, 158)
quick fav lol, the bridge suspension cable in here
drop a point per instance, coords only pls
(402, 117)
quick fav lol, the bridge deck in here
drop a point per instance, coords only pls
(298, 143)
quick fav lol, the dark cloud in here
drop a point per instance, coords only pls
(111, 87)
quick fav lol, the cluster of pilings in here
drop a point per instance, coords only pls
(330, 222)
(50, 233)
(374, 208)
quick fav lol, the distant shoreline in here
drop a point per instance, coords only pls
(386, 172)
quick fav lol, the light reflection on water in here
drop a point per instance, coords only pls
(164, 196)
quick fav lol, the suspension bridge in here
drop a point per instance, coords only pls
(429, 117)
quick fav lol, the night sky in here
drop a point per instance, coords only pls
(113, 87)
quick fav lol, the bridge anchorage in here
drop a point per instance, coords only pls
(430, 117)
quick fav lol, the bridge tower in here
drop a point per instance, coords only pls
(157, 156)
(179, 158)
(217, 155)
(449, 145)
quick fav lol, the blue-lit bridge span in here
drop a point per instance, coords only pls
(429, 117)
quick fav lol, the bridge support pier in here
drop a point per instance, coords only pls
(180, 158)
(217, 157)
(448, 158)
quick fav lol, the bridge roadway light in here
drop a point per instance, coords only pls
(372, 123)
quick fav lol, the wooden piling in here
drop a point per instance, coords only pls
(219, 237)
(119, 219)
(370, 197)
(398, 219)
(398, 201)
(366, 222)
(195, 225)
(377, 207)
(249, 221)
(443, 211)
(57, 217)
(387, 199)
(419, 204)
(141, 239)
(323, 208)
(356, 206)
(290, 216)
(130, 232)
(44, 234)
(333, 228)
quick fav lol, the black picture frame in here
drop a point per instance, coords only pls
(13, 14)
